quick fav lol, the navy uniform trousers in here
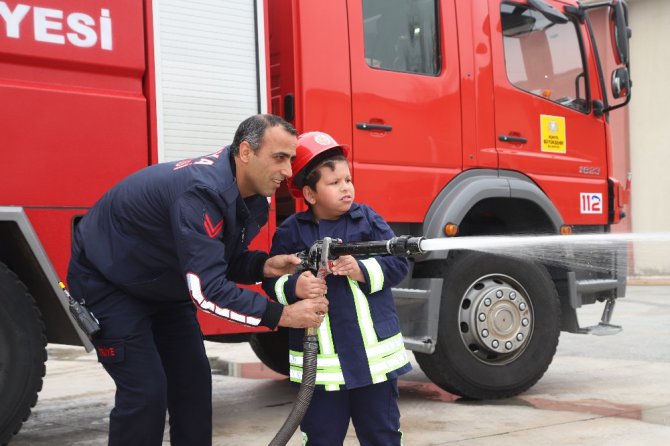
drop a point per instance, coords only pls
(154, 352)
(372, 409)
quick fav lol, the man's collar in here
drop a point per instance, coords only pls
(229, 190)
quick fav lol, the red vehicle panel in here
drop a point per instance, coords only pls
(77, 120)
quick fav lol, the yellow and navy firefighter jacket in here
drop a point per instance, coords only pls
(359, 340)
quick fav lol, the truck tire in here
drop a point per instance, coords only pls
(22, 353)
(272, 349)
(499, 327)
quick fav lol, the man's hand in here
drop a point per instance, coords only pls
(281, 264)
(347, 266)
(304, 313)
(310, 287)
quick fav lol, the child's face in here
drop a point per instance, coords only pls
(334, 192)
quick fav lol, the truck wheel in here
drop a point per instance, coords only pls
(22, 353)
(499, 327)
(272, 349)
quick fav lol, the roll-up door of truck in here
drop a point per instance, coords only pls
(209, 59)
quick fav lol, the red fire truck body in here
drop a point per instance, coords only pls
(494, 117)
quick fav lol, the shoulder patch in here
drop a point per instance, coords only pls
(213, 230)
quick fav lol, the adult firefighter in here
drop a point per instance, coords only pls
(167, 237)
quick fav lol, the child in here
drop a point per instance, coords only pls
(361, 350)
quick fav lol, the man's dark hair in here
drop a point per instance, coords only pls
(253, 128)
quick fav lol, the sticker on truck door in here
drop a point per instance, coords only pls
(552, 134)
(591, 203)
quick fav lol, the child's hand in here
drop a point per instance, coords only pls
(347, 266)
(309, 287)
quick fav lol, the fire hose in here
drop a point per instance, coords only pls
(317, 259)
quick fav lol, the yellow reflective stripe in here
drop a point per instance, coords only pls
(389, 363)
(385, 347)
(304, 439)
(386, 363)
(322, 361)
(375, 273)
(322, 378)
(363, 314)
(279, 289)
(329, 373)
(383, 356)
(326, 346)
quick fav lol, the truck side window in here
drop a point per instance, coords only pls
(543, 58)
(401, 35)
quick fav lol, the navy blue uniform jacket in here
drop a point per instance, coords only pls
(361, 223)
(181, 229)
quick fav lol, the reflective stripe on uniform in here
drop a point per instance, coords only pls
(198, 297)
(386, 347)
(322, 378)
(383, 356)
(376, 353)
(375, 273)
(329, 371)
(279, 289)
(327, 349)
(363, 314)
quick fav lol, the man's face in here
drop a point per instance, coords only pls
(271, 165)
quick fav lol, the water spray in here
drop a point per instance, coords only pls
(584, 251)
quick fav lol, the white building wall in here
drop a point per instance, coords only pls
(649, 128)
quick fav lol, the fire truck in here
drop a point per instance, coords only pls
(465, 119)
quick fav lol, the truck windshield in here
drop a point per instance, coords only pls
(543, 58)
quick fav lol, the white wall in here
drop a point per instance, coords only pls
(650, 130)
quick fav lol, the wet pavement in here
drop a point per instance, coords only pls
(609, 390)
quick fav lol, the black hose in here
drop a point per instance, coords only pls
(310, 351)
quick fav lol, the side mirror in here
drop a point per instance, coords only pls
(621, 31)
(620, 82)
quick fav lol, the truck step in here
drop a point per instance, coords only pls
(594, 286)
(410, 293)
(418, 304)
(422, 344)
(603, 329)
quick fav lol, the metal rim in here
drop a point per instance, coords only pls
(496, 319)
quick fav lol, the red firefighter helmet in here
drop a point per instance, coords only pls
(312, 148)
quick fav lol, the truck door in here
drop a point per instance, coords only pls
(405, 102)
(544, 122)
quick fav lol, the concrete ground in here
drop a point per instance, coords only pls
(611, 390)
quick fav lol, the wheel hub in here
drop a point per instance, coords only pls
(496, 319)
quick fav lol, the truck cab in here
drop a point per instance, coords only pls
(475, 119)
